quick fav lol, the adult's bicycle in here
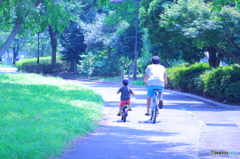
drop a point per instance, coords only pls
(154, 106)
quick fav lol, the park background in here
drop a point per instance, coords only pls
(199, 46)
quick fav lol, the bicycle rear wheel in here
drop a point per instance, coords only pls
(154, 115)
(124, 114)
(124, 118)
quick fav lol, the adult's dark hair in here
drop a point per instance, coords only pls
(156, 60)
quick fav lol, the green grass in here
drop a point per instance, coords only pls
(2, 65)
(139, 81)
(41, 115)
(110, 79)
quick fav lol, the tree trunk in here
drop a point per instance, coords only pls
(14, 55)
(73, 66)
(212, 57)
(10, 38)
(123, 68)
(53, 38)
(42, 50)
(130, 69)
(229, 54)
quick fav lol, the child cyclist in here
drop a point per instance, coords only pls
(125, 95)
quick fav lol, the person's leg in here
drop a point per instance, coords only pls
(160, 95)
(150, 94)
(120, 108)
(148, 104)
(129, 105)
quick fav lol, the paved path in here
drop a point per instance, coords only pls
(186, 128)
(8, 69)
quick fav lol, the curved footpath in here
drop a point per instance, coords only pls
(187, 127)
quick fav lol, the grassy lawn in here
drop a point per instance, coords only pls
(139, 80)
(39, 115)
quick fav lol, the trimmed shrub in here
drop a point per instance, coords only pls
(219, 83)
(45, 66)
(232, 92)
(187, 78)
(219, 79)
(173, 75)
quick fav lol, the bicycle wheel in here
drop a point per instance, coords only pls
(124, 117)
(124, 114)
(154, 115)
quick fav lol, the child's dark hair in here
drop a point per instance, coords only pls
(156, 60)
(125, 81)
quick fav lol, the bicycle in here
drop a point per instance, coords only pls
(154, 106)
(124, 111)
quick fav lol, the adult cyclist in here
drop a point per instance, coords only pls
(155, 78)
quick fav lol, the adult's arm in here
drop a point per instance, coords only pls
(145, 78)
(165, 78)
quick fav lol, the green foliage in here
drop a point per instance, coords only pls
(101, 64)
(186, 78)
(124, 44)
(40, 116)
(218, 80)
(218, 4)
(88, 64)
(232, 91)
(172, 74)
(220, 83)
(72, 41)
(193, 28)
(45, 66)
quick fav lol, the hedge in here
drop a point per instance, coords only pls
(45, 66)
(221, 83)
(186, 77)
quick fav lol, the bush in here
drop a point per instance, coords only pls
(220, 83)
(173, 75)
(232, 92)
(218, 80)
(45, 66)
(187, 78)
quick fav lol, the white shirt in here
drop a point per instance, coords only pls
(155, 74)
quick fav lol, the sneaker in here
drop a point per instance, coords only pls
(119, 114)
(160, 104)
(147, 114)
(129, 109)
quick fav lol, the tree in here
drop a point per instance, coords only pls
(104, 34)
(36, 16)
(206, 29)
(124, 43)
(20, 10)
(72, 40)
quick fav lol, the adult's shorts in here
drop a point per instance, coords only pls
(150, 90)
